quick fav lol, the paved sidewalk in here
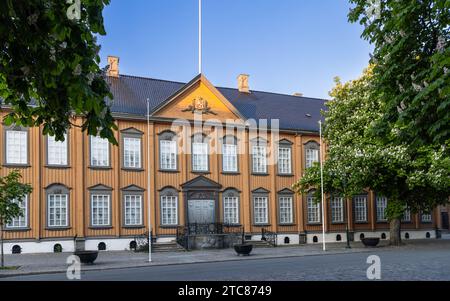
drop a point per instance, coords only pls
(53, 263)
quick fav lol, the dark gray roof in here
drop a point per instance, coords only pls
(131, 92)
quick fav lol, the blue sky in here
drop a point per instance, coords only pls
(286, 46)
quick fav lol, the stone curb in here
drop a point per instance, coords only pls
(99, 268)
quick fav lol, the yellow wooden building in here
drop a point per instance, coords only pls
(206, 156)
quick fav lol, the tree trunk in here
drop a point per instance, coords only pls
(2, 256)
(394, 229)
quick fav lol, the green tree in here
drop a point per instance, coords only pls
(12, 193)
(360, 158)
(411, 41)
(49, 65)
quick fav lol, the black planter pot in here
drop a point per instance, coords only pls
(87, 257)
(370, 241)
(243, 249)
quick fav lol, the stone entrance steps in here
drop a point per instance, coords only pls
(167, 247)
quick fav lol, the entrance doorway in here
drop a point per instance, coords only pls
(445, 221)
(201, 211)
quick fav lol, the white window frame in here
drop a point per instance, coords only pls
(132, 157)
(169, 210)
(133, 210)
(286, 209)
(259, 159)
(57, 151)
(229, 157)
(360, 206)
(16, 151)
(200, 157)
(57, 215)
(96, 219)
(168, 155)
(284, 160)
(312, 156)
(99, 152)
(426, 217)
(337, 209)
(20, 222)
(231, 210)
(313, 210)
(261, 210)
(381, 204)
(406, 215)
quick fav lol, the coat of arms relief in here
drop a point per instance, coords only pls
(199, 105)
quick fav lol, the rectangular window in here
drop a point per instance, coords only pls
(200, 157)
(57, 210)
(56, 151)
(133, 210)
(406, 215)
(99, 152)
(22, 220)
(360, 208)
(312, 156)
(169, 210)
(231, 210)
(426, 217)
(168, 156)
(259, 160)
(131, 152)
(100, 213)
(260, 210)
(229, 158)
(337, 210)
(284, 160)
(286, 212)
(16, 147)
(381, 208)
(313, 210)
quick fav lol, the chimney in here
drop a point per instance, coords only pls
(298, 94)
(243, 83)
(113, 62)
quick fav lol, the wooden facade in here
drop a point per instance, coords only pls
(79, 177)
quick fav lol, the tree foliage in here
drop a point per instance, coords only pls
(12, 193)
(360, 158)
(412, 66)
(49, 59)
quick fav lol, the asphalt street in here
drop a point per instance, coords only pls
(400, 264)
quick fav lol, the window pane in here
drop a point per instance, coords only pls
(337, 209)
(284, 160)
(381, 208)
(231, 210)
(99, 151)
(168, 156)
(57, 210)
(229, 158)
(200, 157)
(259, 159)
(16, 147)
(133, 210)
(57, 151)
(100, 210)
(22, 220)
(286, 216)
(169, 210)
(260, 210)
(313, 209)
(132, 152)
(312, 156)
(360, 208)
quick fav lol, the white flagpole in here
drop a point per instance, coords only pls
(199, 36)
(148, 186)
(321, 186)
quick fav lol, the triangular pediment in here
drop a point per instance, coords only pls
(201, 182)
(198, 96)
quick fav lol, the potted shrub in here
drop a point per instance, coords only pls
(86, 257)
(243, 248)
(370, 241)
